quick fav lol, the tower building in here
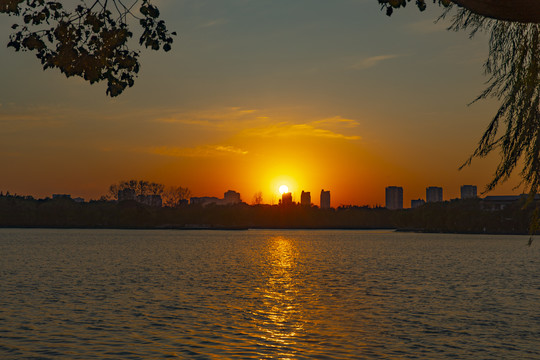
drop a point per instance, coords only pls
(232, 197)
(434, 194)
(325, 199)
(468, 192)
(394, 197)
(305, 198)
(286, 199)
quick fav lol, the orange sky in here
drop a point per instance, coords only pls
(312, 94)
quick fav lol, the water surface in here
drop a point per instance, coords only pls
(120, 294)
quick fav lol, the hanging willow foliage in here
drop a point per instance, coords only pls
(513, 67)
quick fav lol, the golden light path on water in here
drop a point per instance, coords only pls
(281, 306)
(266, 294)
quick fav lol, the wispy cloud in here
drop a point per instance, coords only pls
(242, 111)
(199, 151)
(215, 118)
(374, 61)
(183, 120)
(337, 121)
(427, 26)
(246, 122)
(32, 118)
(212, 23)
(285, 129)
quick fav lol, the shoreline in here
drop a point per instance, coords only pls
(239, 228)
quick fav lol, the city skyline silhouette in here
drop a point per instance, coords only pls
(238, 103)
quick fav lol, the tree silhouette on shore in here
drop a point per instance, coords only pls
(91, 41)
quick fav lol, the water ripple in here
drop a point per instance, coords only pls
(266, 295)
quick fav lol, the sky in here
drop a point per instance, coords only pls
(313, 94)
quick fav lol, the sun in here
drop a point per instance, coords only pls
(283, 189)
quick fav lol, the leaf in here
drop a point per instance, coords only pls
(88, 42)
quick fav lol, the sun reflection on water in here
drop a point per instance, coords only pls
(280, 318)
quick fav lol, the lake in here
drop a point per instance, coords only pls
(267, 294)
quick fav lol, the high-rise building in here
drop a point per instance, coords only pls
(468, 192)
(286, 199)
(394, 197)
(325, 199)
(126, 194)
(305, 198)
(232, 197)
(434, 194)
(417, 203)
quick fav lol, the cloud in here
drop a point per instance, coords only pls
(218, 118)
(427, 26)
(373, 61)
(230, 149)
(242, 111)
(182, 120)
(285, 129)
(212, 23)
(337, 121)
(246, 122)
(32, 118)
(199, 151)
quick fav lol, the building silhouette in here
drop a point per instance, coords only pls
(434, 194)
(394, 197)
(325, 199)
(286, 199)
(305, 198)
(468, 192)
(126, 194)
(150, 200)
(231, 197)
(500, 202)
(417, 203)
(130, 194)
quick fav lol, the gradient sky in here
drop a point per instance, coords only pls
(255, 93)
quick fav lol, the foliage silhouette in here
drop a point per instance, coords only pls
(513, 67)
(90, 41)
(140, 187)
(462, 216)
(524, 11)
(258, 198)
(174, 196)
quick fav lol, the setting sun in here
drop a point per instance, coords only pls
(283, 189)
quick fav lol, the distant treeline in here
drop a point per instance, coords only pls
(461, 216)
